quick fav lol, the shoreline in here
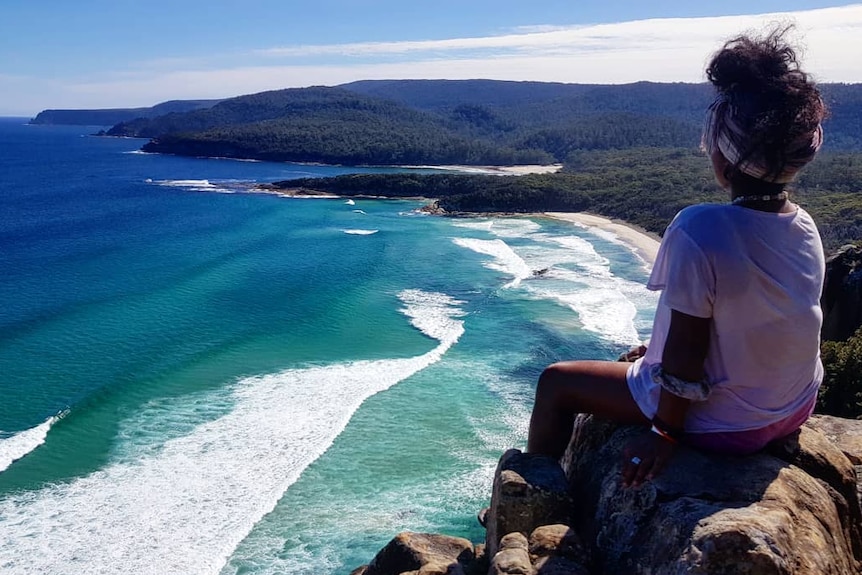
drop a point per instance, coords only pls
(644, 243)
(488, 170)
(520, 170)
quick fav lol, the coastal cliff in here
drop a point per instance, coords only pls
(791, 510)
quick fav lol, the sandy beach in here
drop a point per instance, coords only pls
(645, 243)
(498, 170)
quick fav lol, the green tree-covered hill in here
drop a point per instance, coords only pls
(321, 124)
(460, 122)
(525, 108)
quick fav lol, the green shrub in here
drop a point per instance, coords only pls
(841, 392)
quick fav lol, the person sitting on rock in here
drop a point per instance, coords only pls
(733, 362)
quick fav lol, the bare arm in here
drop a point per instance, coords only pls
(683, 356)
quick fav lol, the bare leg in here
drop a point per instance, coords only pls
(571, 387)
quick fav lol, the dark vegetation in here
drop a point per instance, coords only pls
(841, 391)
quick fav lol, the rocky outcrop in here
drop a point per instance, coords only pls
(842, 294)
(422, 554)
(529, 491)
(792, 510)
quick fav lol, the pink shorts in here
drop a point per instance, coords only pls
(753, 440)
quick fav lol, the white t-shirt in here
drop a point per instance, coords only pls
(758, 275)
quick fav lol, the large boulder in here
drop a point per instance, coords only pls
(529, 491)
(557, 550)
(792, 511)
(422, 554)
(513, 556)
(550, 550)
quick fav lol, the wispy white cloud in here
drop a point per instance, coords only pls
(677, 33)
(662, 50)
(542, 28)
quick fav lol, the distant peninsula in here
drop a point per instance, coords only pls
(111, 116)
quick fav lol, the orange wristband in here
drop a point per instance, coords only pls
(664, 434)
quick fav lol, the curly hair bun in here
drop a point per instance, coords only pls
(768, 112)
(761, 75)
(746, 63)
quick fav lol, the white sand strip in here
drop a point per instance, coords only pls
(645, 243)
(498, 170)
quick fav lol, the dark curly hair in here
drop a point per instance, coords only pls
(772, 98)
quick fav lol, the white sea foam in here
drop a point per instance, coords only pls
(573, 274)
(360, 232)
(358, 211)
(505, 259)
(20, 444)
(185, 506)
(187, 183)
(350, 202)
(478, 224)
(587, 259)
(201, 185)
(601, 307)
(502, 227)
(407, 506)
(250, 160)
(605, 303)
(615, 239)
(514, 228)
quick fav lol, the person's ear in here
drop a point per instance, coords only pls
(720, 167)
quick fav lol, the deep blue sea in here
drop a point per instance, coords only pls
(195, 379)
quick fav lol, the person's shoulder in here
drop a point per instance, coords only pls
(703, 225)
(698, 210)
(802, 215)
(692, 217)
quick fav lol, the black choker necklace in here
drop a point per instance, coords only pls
(766, 198)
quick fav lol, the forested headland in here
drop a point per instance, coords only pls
(644, 186)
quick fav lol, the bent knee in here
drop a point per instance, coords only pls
(559, 376)
(565, 371)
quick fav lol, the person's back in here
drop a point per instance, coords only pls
(763, 272)
(734, 359)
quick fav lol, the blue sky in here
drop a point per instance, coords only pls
(120, 53)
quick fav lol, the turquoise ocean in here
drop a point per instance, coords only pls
(195, 379)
